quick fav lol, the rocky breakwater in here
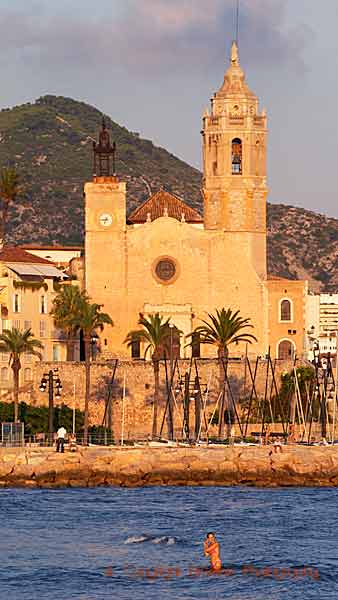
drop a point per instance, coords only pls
(132, 467)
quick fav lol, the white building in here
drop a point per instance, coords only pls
(322, 323)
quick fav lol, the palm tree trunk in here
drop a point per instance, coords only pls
(70, 349)
(156, 366)
(16, 369)
(221, 392)
(87, 393)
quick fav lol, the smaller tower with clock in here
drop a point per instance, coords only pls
(105, 222)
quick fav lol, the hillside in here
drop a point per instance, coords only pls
(50, 144)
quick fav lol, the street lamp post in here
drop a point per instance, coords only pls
(52, 380)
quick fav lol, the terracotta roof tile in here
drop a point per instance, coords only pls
(55, 247)
(276, 278)
(14, 254)
(162, 203)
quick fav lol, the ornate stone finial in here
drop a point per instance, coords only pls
(234, 54)
(165, 212)
(148, 218)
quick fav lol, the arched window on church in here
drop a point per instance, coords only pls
(236, 156)
(285, 310)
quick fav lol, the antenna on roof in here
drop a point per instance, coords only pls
(237, 21)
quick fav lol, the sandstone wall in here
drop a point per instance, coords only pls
(296, 466)
(136, 377)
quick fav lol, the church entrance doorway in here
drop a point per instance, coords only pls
(171, 347)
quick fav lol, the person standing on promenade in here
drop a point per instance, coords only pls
(60, 439)
(212, 549)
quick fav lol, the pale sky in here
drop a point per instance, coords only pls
(152, 65)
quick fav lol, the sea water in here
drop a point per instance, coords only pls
(137, 544)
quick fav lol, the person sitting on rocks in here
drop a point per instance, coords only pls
(72, 443)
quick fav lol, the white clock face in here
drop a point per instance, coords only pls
(105, 220)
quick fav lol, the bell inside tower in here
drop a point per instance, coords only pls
(236, 156)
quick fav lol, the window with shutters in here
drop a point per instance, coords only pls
(28, 374)
(5, 324)
(56, 352)
(43, 305)
(4, 374)
(285, 310)
(16, 303)
(43, 329)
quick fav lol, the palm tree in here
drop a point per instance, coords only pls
(66, 307)
(9, 188)
(224, 328)
(155, 332)
(89, 319)
(15, 343)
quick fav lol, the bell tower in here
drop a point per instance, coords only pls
(234, 164)
(105, 225)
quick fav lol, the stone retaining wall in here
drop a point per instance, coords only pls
(137, 376)
(132, 467)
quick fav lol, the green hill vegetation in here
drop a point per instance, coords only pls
(50, 143)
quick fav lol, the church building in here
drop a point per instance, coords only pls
(166, 258)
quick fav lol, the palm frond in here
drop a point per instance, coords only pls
(155, 330)
(224, 328)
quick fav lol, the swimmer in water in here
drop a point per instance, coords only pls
(212, 549)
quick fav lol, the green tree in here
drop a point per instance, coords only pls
(89, 319)
(16, 343)
(223, 329)
(306, 377)
(154, 333)
(9, 188)
(67, 306)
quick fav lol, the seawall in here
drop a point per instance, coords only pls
(135, 467)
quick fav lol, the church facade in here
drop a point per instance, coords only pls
(167, 258)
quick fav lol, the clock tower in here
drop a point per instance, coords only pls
(105, 223)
